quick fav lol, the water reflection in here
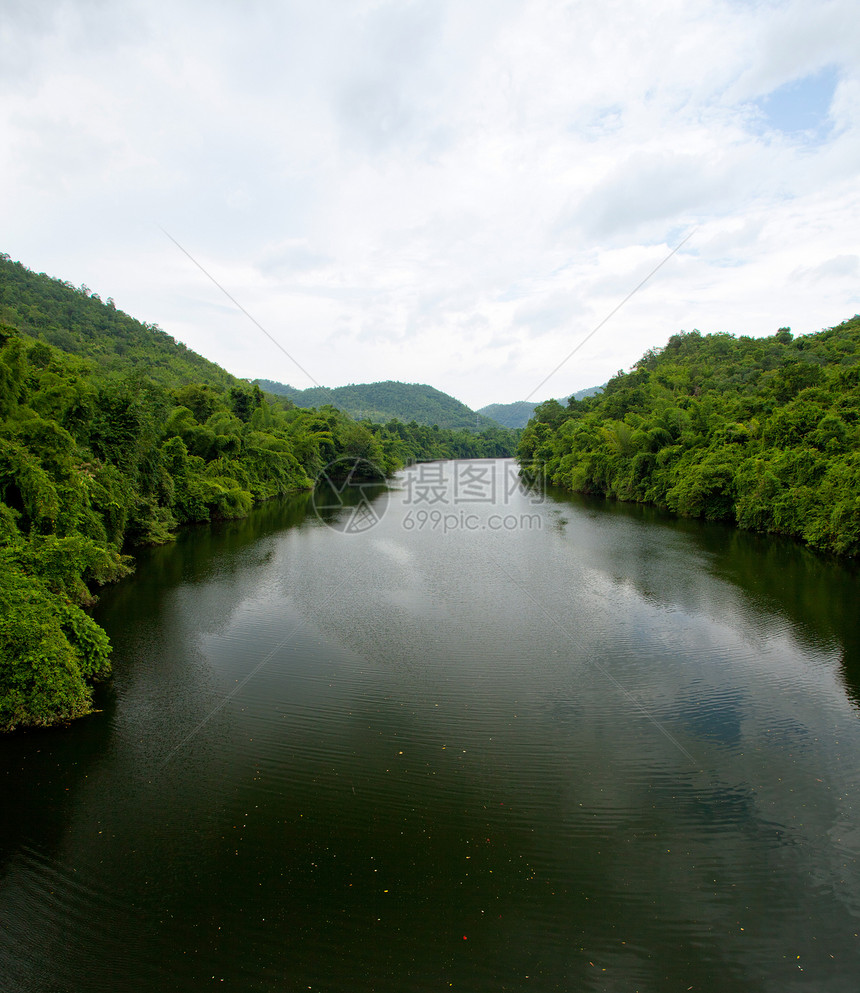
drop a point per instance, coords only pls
(410, 759)
(776, 580)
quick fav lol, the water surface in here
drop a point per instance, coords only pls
(510, 745)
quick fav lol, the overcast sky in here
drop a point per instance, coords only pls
(454, 192)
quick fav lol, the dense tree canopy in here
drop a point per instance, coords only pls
(762, 432)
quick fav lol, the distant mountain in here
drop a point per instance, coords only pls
(591, 391)
(510, 415)
(380, 402)
(518, 414)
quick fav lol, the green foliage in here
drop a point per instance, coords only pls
(382, 402)
(761, 432)
(50, 651)
(404, 444)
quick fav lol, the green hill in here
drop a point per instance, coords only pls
(761, 432)
(519, 413)
(382, 402)
(77, 322)
(511, 415)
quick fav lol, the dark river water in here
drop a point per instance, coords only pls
(451, 736)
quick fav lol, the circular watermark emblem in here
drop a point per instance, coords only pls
(350, 495)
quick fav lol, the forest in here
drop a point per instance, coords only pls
(113, 436)
(383, 401)
(763, 433)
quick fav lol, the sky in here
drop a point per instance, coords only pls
(452, 192)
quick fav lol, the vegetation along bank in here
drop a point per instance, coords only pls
(760, 432)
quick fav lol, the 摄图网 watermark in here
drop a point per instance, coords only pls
(467, 483)
(444, 497)
(352, 496)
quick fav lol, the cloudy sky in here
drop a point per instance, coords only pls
(454, 192)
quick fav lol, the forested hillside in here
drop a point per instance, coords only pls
(76, 321)
(97, 456)
(762, 432)
(519, 413)
(511, 415)
(384, 401)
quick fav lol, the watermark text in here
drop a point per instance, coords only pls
(446, 522)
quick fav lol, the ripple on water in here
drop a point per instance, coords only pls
(579, 756)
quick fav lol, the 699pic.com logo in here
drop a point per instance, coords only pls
(350, 495)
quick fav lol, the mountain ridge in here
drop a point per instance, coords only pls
(520, 412)
(383, 400)
(386, 400)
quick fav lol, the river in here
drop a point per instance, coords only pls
(450, 735)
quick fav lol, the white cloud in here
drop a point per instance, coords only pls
(836, 268)
(441, 192)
